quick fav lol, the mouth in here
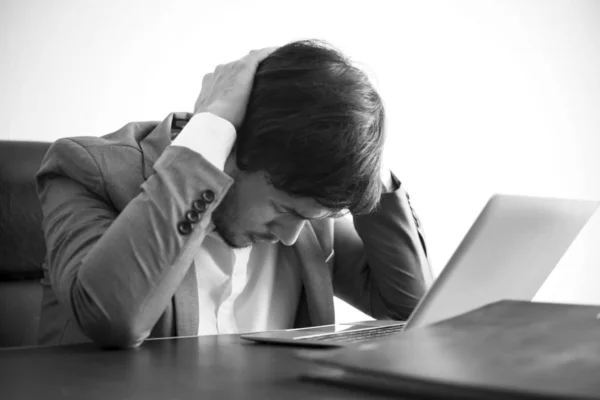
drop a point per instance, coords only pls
(263, 238)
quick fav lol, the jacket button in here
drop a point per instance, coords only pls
(192, 216)
(184, 227)
(199, 206)
(208, 196)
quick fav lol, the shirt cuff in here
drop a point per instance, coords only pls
(210, 136)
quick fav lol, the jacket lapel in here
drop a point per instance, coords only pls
(185, 302)
(316, 277)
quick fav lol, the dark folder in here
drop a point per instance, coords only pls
(508, 349)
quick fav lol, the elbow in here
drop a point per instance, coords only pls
(109, 327)
(402, 312)
(114, 337)
(112, 333)
(397, 308)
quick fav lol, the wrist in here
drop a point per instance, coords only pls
(220, 110)
(209, 135)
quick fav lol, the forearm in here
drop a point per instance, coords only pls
(135, 268)
(118, 273)
(398, 268)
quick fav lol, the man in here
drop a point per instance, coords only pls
(224, 221)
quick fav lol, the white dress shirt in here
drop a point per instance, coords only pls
(239, 290)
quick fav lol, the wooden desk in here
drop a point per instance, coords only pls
(206, 367)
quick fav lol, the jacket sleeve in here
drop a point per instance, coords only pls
(116, 272)
(380, 262)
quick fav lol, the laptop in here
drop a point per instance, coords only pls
(509, 251)
(505, 350)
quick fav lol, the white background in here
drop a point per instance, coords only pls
(482, 96)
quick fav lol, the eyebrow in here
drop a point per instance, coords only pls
(298, 215)
(293, 211)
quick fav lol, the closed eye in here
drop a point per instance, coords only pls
(288, 211)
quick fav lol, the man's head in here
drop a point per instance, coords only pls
(309, 147)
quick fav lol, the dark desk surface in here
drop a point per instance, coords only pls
(206, 367)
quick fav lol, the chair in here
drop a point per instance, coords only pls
(22, 247)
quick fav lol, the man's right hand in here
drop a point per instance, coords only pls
(225, 92)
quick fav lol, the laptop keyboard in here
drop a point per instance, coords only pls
(360, 335)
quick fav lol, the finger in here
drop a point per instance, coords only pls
(207, 78)
(256, 56)
(271, 48)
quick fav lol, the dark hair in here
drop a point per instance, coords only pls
(315, 125)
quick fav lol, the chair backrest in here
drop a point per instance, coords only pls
(22, 247)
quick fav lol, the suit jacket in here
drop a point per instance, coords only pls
(118, 270)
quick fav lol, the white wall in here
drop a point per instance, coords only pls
(482, 96)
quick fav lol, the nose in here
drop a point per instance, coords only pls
(287, 232)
